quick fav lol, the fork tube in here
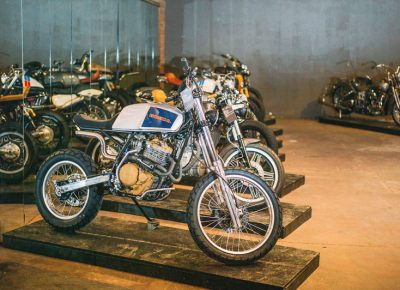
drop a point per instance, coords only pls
(217, 164)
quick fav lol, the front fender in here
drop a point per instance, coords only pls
(248, 141)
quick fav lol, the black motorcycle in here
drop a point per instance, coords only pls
(362, 95)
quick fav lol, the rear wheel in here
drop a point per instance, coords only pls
(212, 227)
(72, 210)
(18, 153)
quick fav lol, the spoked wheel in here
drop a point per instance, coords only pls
(18, 153)
(211, 224)
(396, 115)
(264, 162)
(71, 210)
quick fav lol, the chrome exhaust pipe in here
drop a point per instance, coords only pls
(101, 140)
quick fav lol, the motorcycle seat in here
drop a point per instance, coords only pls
(85, 122)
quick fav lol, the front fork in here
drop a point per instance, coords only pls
(396, 97)
(212, 160)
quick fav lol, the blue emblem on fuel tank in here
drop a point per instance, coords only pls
(159, 118)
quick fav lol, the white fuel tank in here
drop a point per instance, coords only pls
(149, 117)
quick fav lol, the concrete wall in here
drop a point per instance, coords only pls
(290, 46)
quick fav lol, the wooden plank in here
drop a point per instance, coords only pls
(166, 253)
(365, 124)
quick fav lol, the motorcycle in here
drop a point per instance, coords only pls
(66, 104)
(242, 82)
(79, 80)
(233, 216)
(49, 129)
(250, 127)
(235, 151)
(362, 95)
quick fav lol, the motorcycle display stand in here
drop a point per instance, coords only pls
(166, 253)
(365, 124)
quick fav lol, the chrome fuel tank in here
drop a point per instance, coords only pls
(149, 117)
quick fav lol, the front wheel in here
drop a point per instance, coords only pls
(71, 210)
(212, 227)
(260, 131)
(263, 161)
(396, 115)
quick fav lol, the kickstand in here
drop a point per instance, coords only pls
(152, 223)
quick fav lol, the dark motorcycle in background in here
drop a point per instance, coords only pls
(362, 95)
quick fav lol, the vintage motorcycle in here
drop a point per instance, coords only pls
(82, 78)
(234, 150)
(249, 125)
(242, 82)
(66, 104)
(50, 129)
(233, 216)
(361, 95)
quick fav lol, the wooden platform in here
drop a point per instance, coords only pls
(365, 124)
(166, 253)
(292, 182)
(23, 193)
(271, 120)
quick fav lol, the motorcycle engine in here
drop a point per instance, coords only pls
(137, 180)
(375, 102)
(134, 178)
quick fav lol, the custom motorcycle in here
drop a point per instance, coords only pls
(233, 216)
(235, 151)
(362, 95)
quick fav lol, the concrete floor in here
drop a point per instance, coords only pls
(352, 185)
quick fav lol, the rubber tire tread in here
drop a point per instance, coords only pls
(202, 242)
(227, 150)
(264, 131)
(95, 192)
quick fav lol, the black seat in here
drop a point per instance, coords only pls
(85, 122)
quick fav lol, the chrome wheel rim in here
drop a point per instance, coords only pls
(65, 208)
(217, 227)
(16, 165)
(263, 164)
